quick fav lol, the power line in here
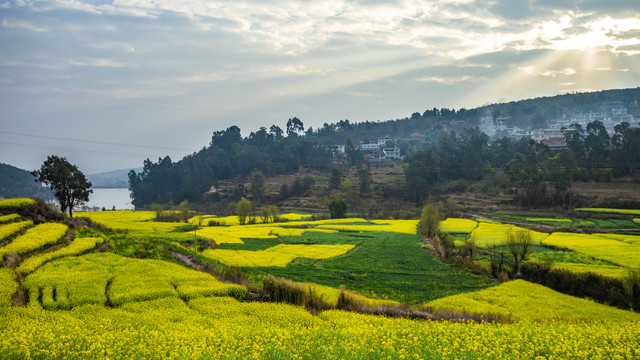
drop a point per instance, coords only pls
(76, 150)
(93, 141)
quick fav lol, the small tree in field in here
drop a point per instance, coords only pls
(244, 209)
(520, 245)
(185, 211)
(338, 208)
(69, 183)
(430, 221)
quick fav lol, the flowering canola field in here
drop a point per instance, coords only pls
(523, 301)
(278, 256)
(102, 305)
(223, 328)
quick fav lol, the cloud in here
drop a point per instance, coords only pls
(96, 62)
(446, 80)
(22, 25)
(532, 70)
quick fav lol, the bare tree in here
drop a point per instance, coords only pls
(520, 245)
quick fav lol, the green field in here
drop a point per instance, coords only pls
(391, 265)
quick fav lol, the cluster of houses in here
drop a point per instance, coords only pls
(376, 151)
(612, 113)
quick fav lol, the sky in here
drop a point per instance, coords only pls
(108, 84)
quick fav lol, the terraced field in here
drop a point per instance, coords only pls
(83, 304)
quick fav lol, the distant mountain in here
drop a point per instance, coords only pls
(111, 179)
(18, 183)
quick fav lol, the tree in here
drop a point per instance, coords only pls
(276, 132)
(69, 183)
(335, 178)
(338, 208)
(294, 126)
(520, 246)
(430, 221)
(185, 211)
(244, 210)
(257, 184)
(597, 143)
(364, 178)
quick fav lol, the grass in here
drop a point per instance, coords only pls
(391, 265)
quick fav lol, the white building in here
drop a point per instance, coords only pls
(391, 153)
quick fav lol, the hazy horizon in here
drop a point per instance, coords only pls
(110, 83)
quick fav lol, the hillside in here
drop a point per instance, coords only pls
(444, 151)
(18, 183)
(111, 179)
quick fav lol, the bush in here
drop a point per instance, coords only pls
(338, 208)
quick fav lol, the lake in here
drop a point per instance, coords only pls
(108, 198)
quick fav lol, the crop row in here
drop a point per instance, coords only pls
(8, 230)
(610, 211)
(8, 286)
(35, 238)
(223, 328)
(16, 203)
(77, 246)
(105, 278)
(9, 218)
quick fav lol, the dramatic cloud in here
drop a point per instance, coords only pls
(172, 72)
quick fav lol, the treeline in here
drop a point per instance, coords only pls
(228, 155)
(524, 114)
(533, 173)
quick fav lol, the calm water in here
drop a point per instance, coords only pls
(110, 198)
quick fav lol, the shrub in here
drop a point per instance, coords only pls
(338, 208)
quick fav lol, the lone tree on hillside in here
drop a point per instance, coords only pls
(69, 183)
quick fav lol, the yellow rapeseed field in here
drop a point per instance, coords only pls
(610, 211)
(77, 246)
(615, 251)
(12, 228)
(223, 328)
(454, 225)
(9, 218)
(523, 301)
(488, 233)
(100, 278)
(35, 238)
(604, 270)
(8, 286)
(136, 222)
(399, 226)
(18, 202)
(280, 255)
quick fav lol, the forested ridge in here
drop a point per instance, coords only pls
(227, 156)
(439, 145)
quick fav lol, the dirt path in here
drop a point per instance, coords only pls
(189, 260)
